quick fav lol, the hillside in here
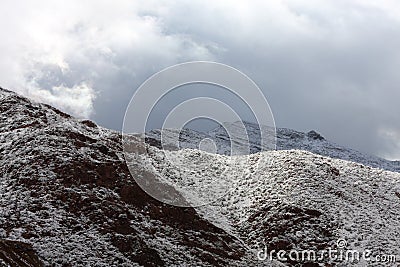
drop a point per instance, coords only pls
(69, 199)
(66, 191)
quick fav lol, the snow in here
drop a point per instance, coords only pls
(307, 194)
(358, 202)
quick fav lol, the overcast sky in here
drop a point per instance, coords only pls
(332, 66)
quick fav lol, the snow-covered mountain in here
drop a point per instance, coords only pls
(297, 200)
(67, 197)
(286, 139)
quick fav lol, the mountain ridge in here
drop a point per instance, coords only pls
(66, 192)
(286, 139)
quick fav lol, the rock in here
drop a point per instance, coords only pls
(15, 253)
(314, 135)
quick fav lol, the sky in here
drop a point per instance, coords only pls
(332, 65)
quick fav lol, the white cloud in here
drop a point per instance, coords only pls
(52, 50)
(392, 138)
(78, 99)
(322, 64)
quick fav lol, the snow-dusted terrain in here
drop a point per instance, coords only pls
(66, 193)
(286, 139)
(299, 200)
(67, 196)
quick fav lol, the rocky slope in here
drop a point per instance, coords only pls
(299, 200)
(66, 193)
(67, 197)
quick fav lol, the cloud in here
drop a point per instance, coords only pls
(325, 65)
(53, 51)
(78, 99)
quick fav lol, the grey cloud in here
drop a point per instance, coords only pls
(330, 66)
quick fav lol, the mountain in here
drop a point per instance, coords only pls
(67, 194)
(69, 199)
(292, 199)
(286, 139)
